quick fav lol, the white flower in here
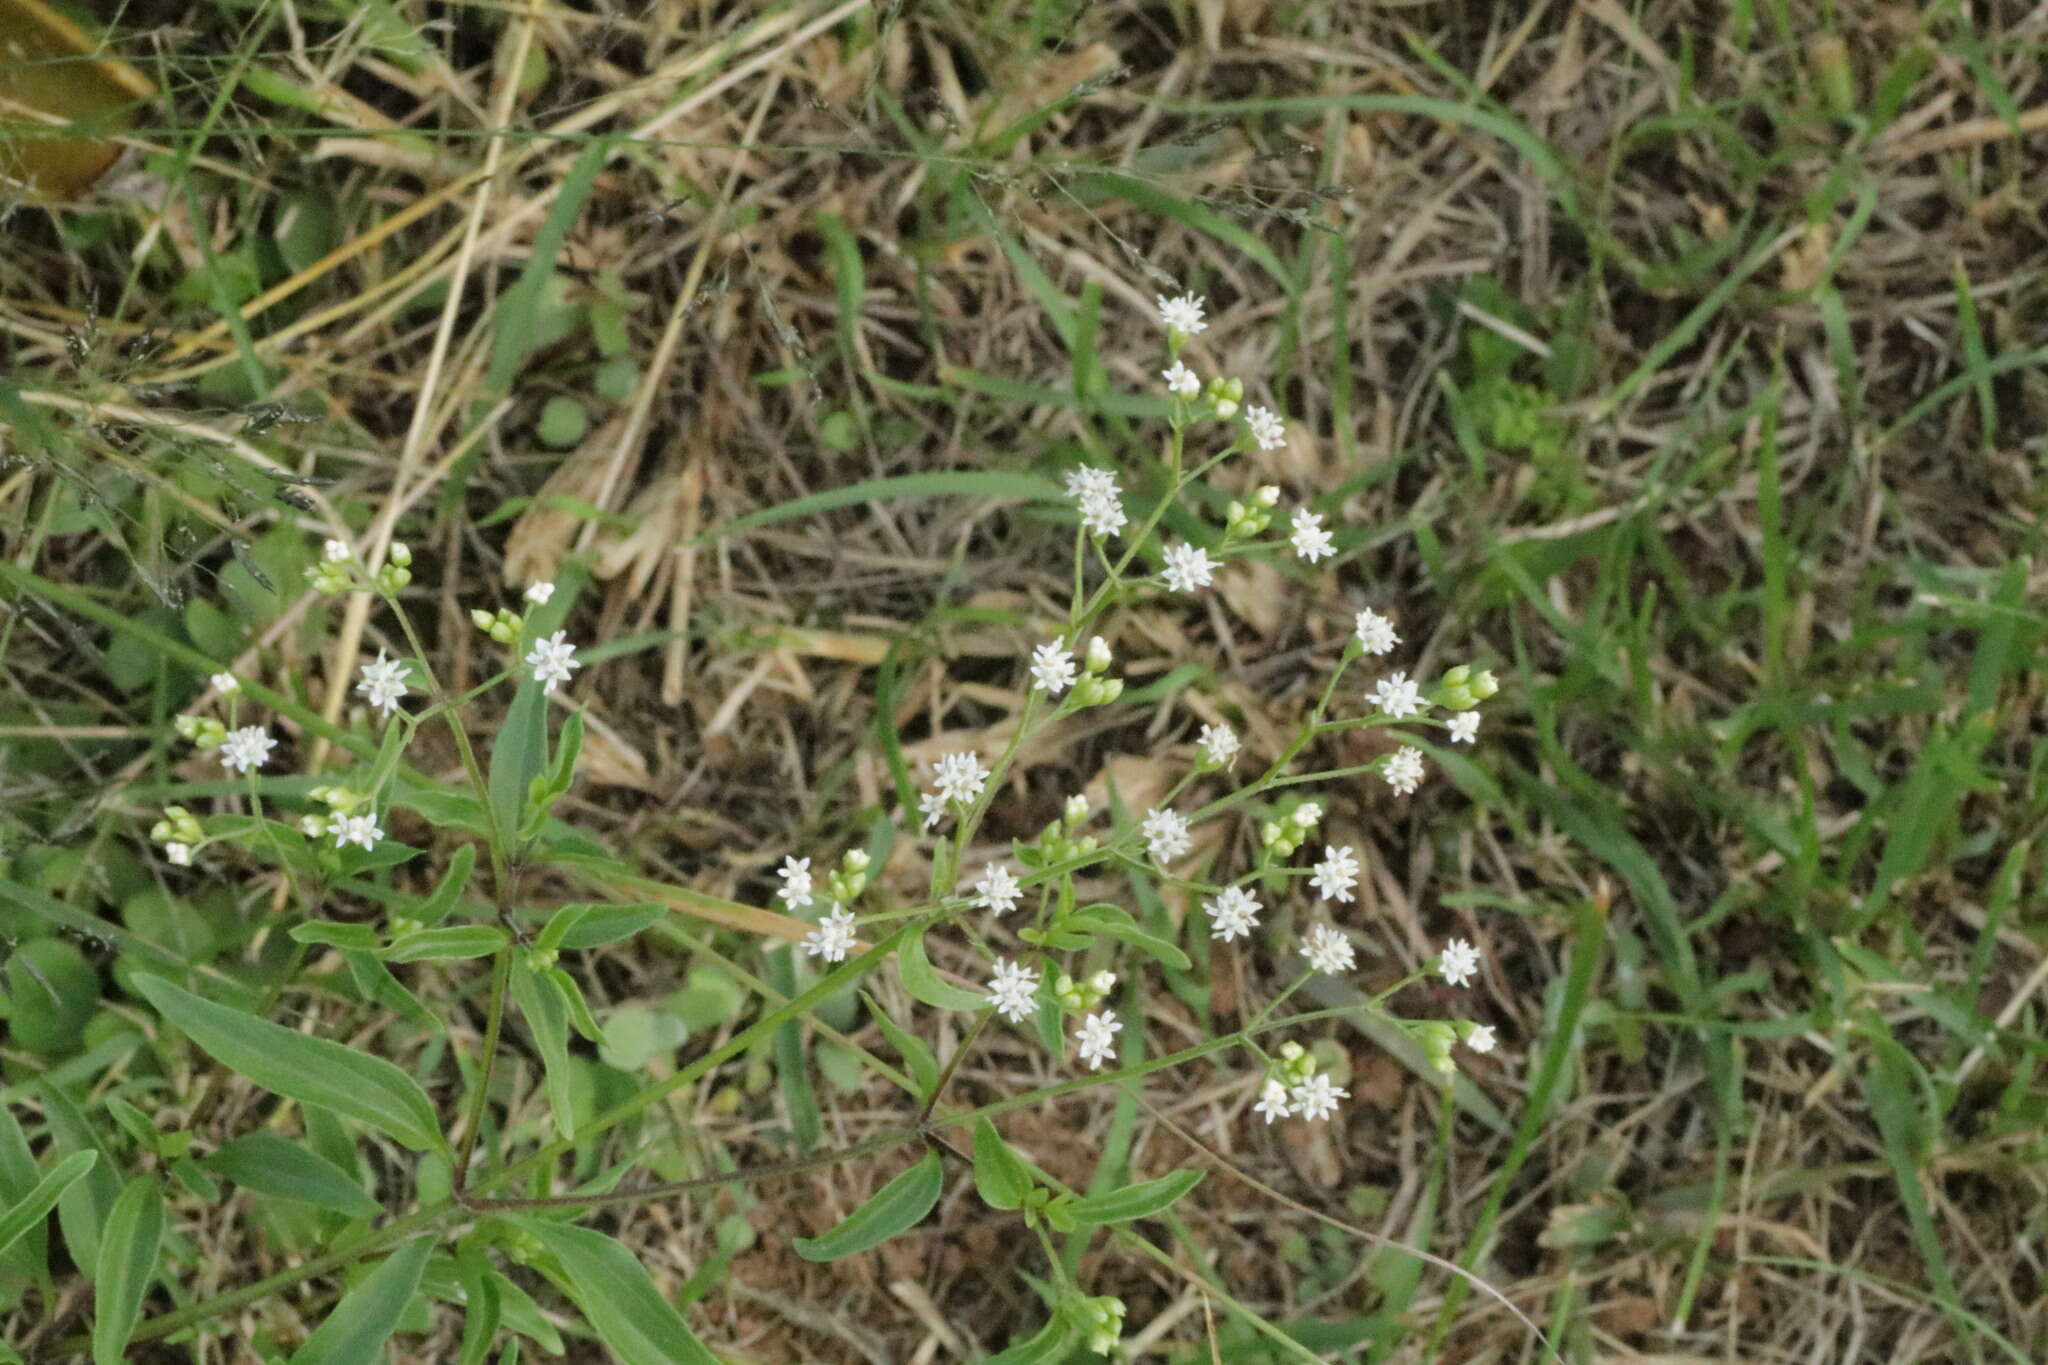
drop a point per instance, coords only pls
(336, 551)
(1181, 380)
(383, 683)
(1052, 667)
(552, 660)
(539, 593)
(1188, 567)
(833, 938)
(1327, 950)
(997, 891)
(1233, 914)
(796, 881)
(1183, 314)
(1166, 835)
(355, 829)
(1266, 427)
(1464, 727)
(1310, 540)
(1336, 874)
(179, 855)
(1218, 744)
(1481, 1038)
(1375, 632)
(313, 826)
(932, 806)
(1273, 1101)
(227, 684)
(1316, 1097)
(1397, 697)
(959, 777)
(1404, 770)
(1096, 1039)
(1459, 963)
(1012, 990)
(246, 749)
(1095, 492)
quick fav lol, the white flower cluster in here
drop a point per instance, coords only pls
(957, 780)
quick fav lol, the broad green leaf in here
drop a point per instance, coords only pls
(17, 1177)
(1115, 922)
(450, 943)
(540, 1000)
(127, 1263)
(37, 1203)
(896, 1207)
(83, 1209)
(518, 754)
(1136, 1201)
(310, 1070)
(355, 1332)
(588, 924)
(924, 1067)
(999, 1174)
(267, 1164)
(609, 1284)
(1048, 1346)
(921, 979)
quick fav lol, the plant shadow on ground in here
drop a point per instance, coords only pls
(1679, 364)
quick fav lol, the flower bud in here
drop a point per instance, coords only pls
(313, 826)
(1226, 408)
(1457, 677)
(1484, 684)
(482, 619)
(856, 860)
(1097, 657)
(1268, 496)
(1076, 809)
(401, 554)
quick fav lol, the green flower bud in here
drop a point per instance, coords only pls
(1484, 684)
(1097, 657)
(482, 619)
(401, 554)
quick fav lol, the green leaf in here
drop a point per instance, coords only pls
(335, 934)
(454, 881)
(518, 754)
(450, 943)
(896, 1207)
(609, 1284)
(924, 1067)
(999, 1175)
(310, 1070)
(1113, 921)
(540, 1000)
(588, 924)
(580, 1017)
(482, 1308)
(1048, 1346)
(516, 333)
(1136, 1201)
(355, 1332)
(127, 1263)
(37, 1203)
(922, 980)
(268, 1164)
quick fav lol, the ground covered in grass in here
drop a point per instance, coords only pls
(1681, 362)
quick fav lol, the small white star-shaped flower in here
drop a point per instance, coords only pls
(1052, 667)
(1327, 950)
(1316, 1097)
(1459, 963)
(998, 890)
(360, 830)
(1166, 835)
(833, 938)
(796, 882)
(959, 776)
(539, 593)
(383, 683)
(1309, 539)
(1375, 632)
(1336, 874)
(1404, 770)
(1233, 914)
(246, 749)
(1096, 1038)
(1481, 1039)
(552, 660)
(178, 855)
(1218, 745)
(933, 807)
(1183, 314)
(1094, 491)
(1397, 697)
(1013, 990)
(1273, 1101)
(1181, 380)
(227, 684)
(1266, 427)
(1464, 727)
(1188, 567)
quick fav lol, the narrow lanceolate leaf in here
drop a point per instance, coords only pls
(127, 1263)
(37, 1203)
(1136, 1201)
(897, 1207)
(267, 1164)
(450, 943)
(540, 1000)
(620, 1302)
(310, 1070)
(922, 981)
(1049, 1345)
(999, 1175)
(355, 1332)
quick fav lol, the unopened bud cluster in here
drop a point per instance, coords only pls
(1093, 689)
(1080, 997)
(845, 884)
(1464, 687)
(1243, 520)
(1062, 840)
(339, 570)
(1101, 1319)
(1283, 836)
(202, 731)
(340, 801)
(502, 625)
(178, 826)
